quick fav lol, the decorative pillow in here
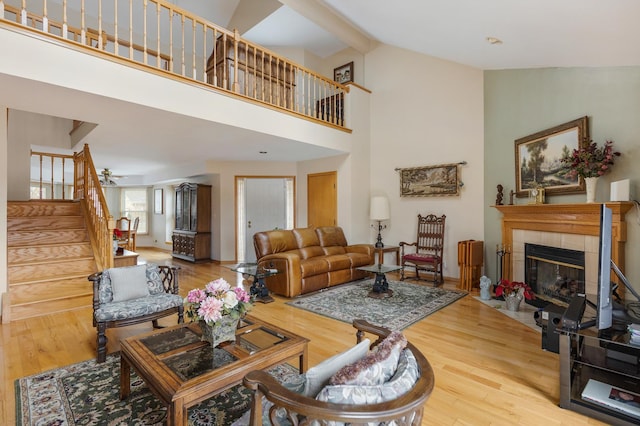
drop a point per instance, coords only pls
(318, 376)
(375, 368)
(403, 380)
(129, 282)
(154, 282)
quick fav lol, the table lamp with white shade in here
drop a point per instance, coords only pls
(379, 211)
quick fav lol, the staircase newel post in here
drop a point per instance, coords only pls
(111, 225)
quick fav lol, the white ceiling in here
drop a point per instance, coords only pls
(541, 33)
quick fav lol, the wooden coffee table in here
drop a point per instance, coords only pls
(182, 371)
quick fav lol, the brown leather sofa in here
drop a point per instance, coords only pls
(310, 259)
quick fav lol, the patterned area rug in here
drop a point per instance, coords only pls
(89, 394)
(409, 303)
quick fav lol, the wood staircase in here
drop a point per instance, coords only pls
(49, 257)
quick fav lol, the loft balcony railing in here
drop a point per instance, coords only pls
(157, 34)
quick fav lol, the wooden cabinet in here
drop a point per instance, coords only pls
(260, 75)
(192, 233)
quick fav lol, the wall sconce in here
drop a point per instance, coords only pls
(379, 211)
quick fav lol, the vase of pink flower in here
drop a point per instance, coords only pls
(218, 308)
(589, 162)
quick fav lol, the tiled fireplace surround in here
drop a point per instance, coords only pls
(569, 226)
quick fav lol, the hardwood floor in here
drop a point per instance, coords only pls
(489, 369)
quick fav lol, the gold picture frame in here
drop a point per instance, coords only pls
(538, 157)
(430, 181)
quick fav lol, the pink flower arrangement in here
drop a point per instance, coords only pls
(512, 288)
(216, 300)
(591, 160)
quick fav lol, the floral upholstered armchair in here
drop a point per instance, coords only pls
(132, 295)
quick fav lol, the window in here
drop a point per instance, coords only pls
(135, 203)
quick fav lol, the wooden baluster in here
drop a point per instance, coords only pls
(100, 44)
(144, 33)
(65, 27)
(194, 74)
(183, 65)
(247, 69)
(116, 43)
(204, 53)
(256, 70)
(83, 29)
(171, 40)
(130, 29)
(23, 13)
(64, 193)
(158, 59)
(236, 85)
(225, 62)
(45, 18)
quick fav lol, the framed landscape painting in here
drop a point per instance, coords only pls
(538, 159)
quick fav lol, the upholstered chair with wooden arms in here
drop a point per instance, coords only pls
(132, 295)
(399, 399)
(429, 247)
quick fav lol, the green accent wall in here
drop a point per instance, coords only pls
(518, 103)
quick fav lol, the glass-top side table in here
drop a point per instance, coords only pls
(380, 288)
(258, 290)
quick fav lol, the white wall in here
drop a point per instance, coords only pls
(4, 171)
(426, 111)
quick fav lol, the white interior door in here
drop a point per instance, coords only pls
(264, 204)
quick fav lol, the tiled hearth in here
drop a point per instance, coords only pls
(570, 226)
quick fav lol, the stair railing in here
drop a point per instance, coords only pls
(89, 192)
(159, 35)
(51, 177)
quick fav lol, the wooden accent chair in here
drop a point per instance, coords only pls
(134, 232)
(429, 246)
(402, 407)
(133, 295)
(124, 225)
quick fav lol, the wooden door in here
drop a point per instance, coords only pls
(322, 199)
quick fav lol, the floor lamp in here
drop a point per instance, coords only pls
(379, 211)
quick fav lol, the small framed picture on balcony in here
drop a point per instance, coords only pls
(343, 74)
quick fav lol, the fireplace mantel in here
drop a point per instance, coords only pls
(578, 219)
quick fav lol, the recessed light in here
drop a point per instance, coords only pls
(494, 40)
(263, 152)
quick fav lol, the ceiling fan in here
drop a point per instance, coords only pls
(107, 178)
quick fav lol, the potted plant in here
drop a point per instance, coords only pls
(513, 293)
(218, 309)
(590, 162)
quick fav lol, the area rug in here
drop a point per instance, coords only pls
(409, 303)
(88, 393)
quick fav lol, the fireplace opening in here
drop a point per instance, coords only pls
(554, 274)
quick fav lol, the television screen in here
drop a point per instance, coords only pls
(605, 304)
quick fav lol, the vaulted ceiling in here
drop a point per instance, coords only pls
(541, 33)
